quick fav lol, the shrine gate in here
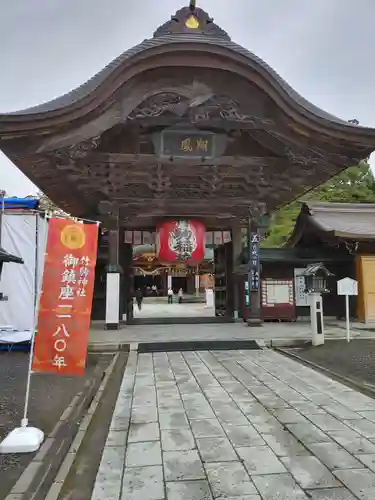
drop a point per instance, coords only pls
(185, 125)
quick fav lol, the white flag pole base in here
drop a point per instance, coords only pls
(22, 440)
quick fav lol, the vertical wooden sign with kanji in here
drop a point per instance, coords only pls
(66, 298)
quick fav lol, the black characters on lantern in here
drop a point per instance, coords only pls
(182, 240)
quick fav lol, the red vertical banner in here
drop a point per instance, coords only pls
(66, 298)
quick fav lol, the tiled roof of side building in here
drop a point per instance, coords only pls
(357, 219)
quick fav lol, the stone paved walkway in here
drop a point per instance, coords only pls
(160, 309)
(239, 425)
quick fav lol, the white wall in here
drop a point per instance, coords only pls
(18, 280)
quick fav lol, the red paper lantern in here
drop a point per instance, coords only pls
(180, 241)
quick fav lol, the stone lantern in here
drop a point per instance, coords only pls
(316, 277)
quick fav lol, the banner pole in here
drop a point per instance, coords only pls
(25, 420)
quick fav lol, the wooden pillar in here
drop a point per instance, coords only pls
(237, 250)
(169, 280)
(190, 284)
(197, 282)
(113, 249)
(366, 288)
(361, 302)
(113, 281)
(128, 281)
(224, 280)
(164, 281)
(229, 278)
(254, 311)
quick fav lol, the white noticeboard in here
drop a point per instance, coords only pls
(347, 286)
(301, 298)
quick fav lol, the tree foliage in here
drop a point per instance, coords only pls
(354, 185)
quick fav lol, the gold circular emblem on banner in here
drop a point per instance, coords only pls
(73, 237)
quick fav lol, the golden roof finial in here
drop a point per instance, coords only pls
(192, 22)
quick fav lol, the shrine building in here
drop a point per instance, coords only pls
(186, 134)
(346, 233)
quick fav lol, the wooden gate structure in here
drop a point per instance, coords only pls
(185, 124)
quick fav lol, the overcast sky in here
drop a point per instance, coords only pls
(324, 48)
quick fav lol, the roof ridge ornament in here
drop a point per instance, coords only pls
(191, 20)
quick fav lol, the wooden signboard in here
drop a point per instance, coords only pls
(187, 144)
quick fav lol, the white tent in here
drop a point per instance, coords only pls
(22, 233)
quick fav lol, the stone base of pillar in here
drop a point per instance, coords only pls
(112, 326)
(236, 317)
(254, 322)
(112, 304)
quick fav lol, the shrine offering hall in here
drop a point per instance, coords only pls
(185, 142)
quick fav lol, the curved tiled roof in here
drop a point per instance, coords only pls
(347, 220)
(174, 39)
(357, 219)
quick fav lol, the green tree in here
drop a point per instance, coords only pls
(354, 185)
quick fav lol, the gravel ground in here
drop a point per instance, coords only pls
(50, 395)
(355, 359)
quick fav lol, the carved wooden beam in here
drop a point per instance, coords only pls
(205, 106)
(124, 158)
(144, 209)
(146, 187)
(218, 123)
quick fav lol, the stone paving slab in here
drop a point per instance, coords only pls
(236, 425)
(332, 494)
(275, 332)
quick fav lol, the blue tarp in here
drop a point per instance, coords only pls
(21, 203)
